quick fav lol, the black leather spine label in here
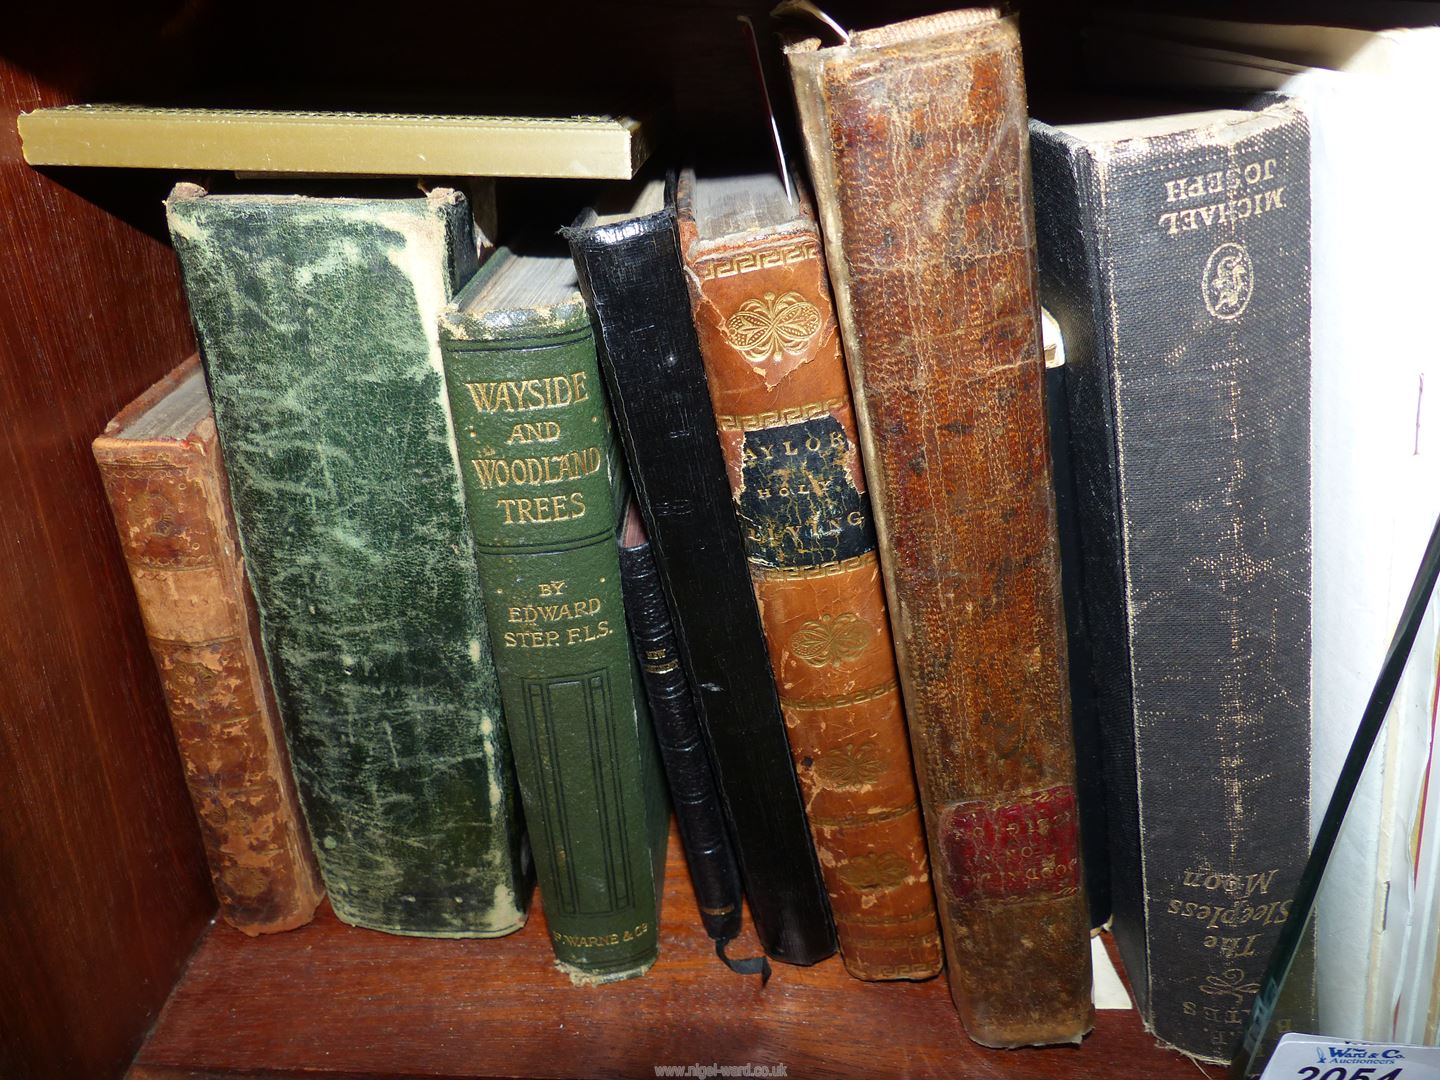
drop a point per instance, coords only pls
(797, 502)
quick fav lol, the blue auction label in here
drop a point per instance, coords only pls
(1314, 1057)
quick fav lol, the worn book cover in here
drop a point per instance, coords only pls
(317, 323)
(1374, 412)
(163, 473)
(628, 260)
(1084, 719)
(915, 135)
(545, 487)
(777, 383)
(1175, 256)
(709, 853)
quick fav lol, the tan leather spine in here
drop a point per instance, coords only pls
(916, 138)
(825, 622)
(172, 514)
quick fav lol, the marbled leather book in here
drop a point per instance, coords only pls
(317, 320)
(915, 135)
(782, 407)
(1174, 253)
(163, 474)
(545, 487)
(629, 266)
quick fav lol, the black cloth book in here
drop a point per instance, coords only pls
(1174, 254)
(630, 274)
(1084, 718)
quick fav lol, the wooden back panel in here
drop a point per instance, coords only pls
(103, 888)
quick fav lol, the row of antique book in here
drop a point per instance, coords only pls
(778, 482)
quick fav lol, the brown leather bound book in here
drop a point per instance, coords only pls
(916, 139)
(166, 483)
(782, 405)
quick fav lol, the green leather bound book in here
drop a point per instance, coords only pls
(317, 322)
(545, 487)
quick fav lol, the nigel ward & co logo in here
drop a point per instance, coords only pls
(1357, 1055)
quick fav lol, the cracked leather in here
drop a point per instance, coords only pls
(172, 515)
(916, 139)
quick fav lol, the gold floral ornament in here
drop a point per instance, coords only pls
(850, 766)
(768, 327)
(831, 639)
(876, 870)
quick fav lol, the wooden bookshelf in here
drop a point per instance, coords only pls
(105, 935)
(330, 1001)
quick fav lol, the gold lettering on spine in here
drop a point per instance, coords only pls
(532, 620)
(595, 941)
(1240, 197)
(1235, 917)
(523, 395)
(493, 472)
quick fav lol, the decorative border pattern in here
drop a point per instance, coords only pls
(745, 262)
(839, 702)
(794, 415)
(798, 573)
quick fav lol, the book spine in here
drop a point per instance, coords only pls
(631, 276)
(173, 519)
(782, 406)
(1192, 444)
(317, 319)
(1084, 716)
(917, 146)
(713, 871)
(541, 471)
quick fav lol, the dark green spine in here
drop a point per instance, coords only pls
(316, 318)
(544, 486)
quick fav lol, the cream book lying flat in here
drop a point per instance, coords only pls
(257, 140)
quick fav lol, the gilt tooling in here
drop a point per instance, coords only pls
(782, 406)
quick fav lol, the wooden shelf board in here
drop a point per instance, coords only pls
(329, 1000)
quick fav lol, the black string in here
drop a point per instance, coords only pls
(753, 965)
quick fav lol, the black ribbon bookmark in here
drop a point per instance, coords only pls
(752, 965)
(1365, 735)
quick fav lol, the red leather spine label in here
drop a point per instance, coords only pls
(1012, 851)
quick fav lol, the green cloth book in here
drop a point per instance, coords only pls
(545, 487)
(317, 323)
